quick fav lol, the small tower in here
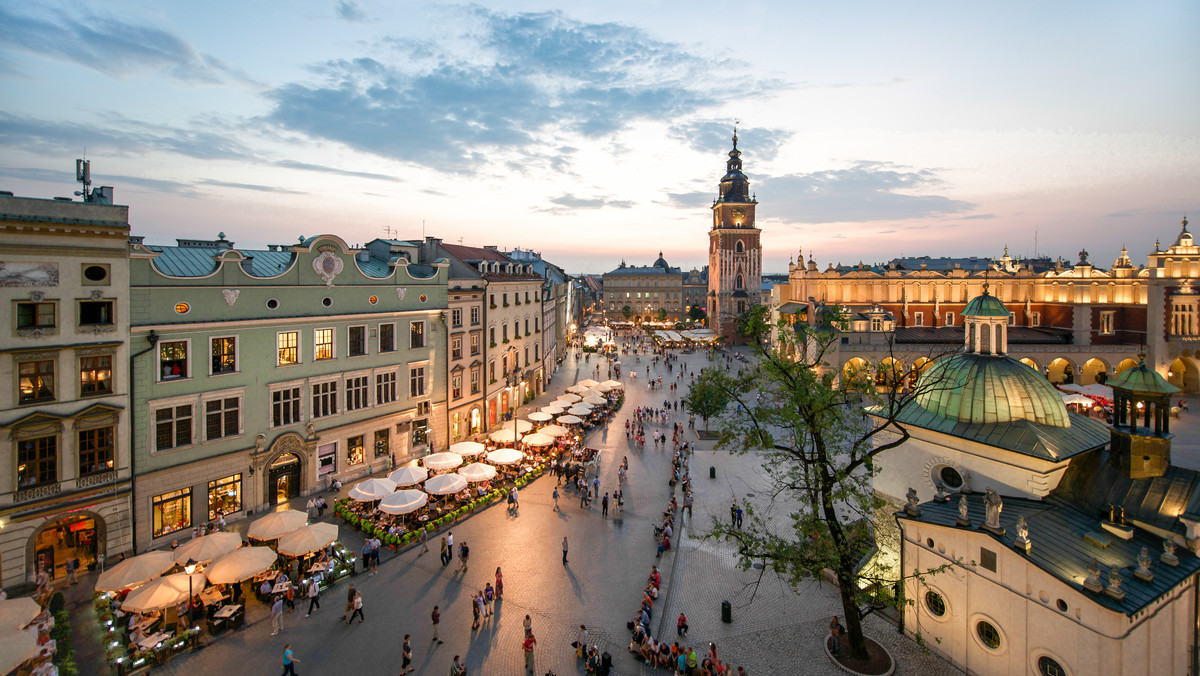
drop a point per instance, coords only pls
(986, 321)
(1141, 451)
(734, 251)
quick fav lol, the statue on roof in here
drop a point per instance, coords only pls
(994, 505)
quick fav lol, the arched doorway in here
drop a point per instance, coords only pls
(283, 478)
(890, 373)
(1061, 371)
(856, 374)
(1125, 364)
(1094, 370)
(476, 420)
(1031, 364)
(79, 535)
(1185, 375)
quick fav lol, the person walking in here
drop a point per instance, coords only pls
(358, 609)
(424, 540)
(463, 552)
(277, 615)
(530, 642)
(406, 657)
(349, 602)
(442, 556)
(449, 547)
(499, 584)
(556, 498)
(564, 550)
(314, 597)
(738, 516)
(436, 616)
(289, 660)
(457, 668)
(604, 506)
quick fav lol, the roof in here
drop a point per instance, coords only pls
(643, 270)
(1026, 437)
(475, 253)
(976, 388)
(985, 305)
(1017, 335)
(1093, 482)
(1143, 380)
(1057, 529)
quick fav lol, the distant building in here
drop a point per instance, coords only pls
(734, 251)
(643, 293)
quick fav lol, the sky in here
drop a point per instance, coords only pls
(596, 132)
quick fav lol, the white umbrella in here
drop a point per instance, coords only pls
(587, 382)
(276, 524)
(403, 502)
(477, 472)
(163, 592)
(578, 389)
(445, 484)
(307, 539)
(571, 398)
(539, 416)
(569, 419)
(134, 571)
(208, 547)
(241, 564)
(18, 613)
(553, 430)
(468, 448)
(562, 403)
(505, 456)
(16, 647)
(595, 400)
(523, 426)
(579, 410)
(372, 489)
(614, 384)
(409, 475)
(1076, 399)
(553, 410)
(537, 440)
(504, 436)
(442, 461)
(602, 388)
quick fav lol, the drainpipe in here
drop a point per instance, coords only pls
(900, 583)
(153, 340)
(449, 362)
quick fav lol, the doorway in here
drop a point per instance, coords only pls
(72, 537)
(283, 480)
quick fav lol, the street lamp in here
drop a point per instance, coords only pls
(514, 379)
(189, 568)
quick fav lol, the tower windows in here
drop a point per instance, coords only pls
(739, 247)
(739, 281)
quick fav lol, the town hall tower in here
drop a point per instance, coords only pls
(734, 251)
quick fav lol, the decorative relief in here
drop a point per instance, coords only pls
(36, 296)
(400, 291)
(97, 294)
(328, 265)
(96, 351)
(28, 274)
(98, 479)
(35, 356)
(38, 492)
(231, 296)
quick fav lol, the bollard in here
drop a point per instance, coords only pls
(726, 612)
(712, 472)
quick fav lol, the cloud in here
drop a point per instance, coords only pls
(119, 136)
(569, 203)
(67, 178)
(107, 45)
(249, 186)
(691, 200)
(304, 166)
(349, 11)
(867, 191)
(715, 137)
(513, 79)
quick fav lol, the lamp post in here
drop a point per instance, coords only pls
(189, 568)
(514, 379)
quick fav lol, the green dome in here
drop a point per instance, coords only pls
(985, 305)
(978, 388)
(1144, 380)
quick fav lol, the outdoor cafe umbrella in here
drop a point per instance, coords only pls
(241, 564)
(539, 416)
(18, 613)
(403, 502)
(372, 489)
(595, 400)
(523, 426)
(477, 472)
(537, 440)
(1077, 399)
(504, 436)
(468, 448)
(442, 460)
(505, 456)
(553, 410)
(409, 475)
(569, 419)
(207, 547)
(580, 410)
(553, 430)
(602, 388)
(276, 524)
(578, 389)
(134, 571)
(614, 384)
(16, 647)
(571, 397)
(307, 539)
(587, 382)
(445, 484)
(163, 592)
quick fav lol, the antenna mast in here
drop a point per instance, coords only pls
(83, 174)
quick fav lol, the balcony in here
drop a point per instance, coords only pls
(38, 492)
(97, 479)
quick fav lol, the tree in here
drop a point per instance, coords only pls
(662, 315)
(707, 397)
(696, 313)
(627, 311)
(818, 445)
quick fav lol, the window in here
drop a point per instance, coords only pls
(357, 341)
(456, 386)
(1048, 667)
(527, 355)
(492, 300)
(456, 348)
(527, 327)
(288, 344)
(224, 496)
(739, 282)
(504, 332)
(416, 335)
(474, 344)
(173, 359)
(354, 450)
(949, 476)
(420, 433)
(357, 389)
(474, 316)
(324, 399)
(526, 296)
(492, 370)
(1035, 319)
(323, 344)
(37, 461)
(95, 313)
(326, 459)
(285, 406)
(935, 603)
(385, 388)
(383, 443)
(475, 381)
(416, 381)
(172, 512)
(95, 375)
(504, 298)
(456, 317)
(536, 351)
(172, 427)
(876, 324)
(95, 450)
(35, 315)
(387, 337)
(94, 274)
(949, 319)
(35, 381)
(492, 333)
(222, 418)
(224, 355)
(987, 559)
(988, 634)
(1106, 323)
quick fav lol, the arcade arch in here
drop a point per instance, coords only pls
(1062, 371)
(1095, 370)
(1185, 374)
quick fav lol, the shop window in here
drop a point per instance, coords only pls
(416, 381)
(95, 450)
(383, 444)
(357, 389)
(387, 337)
(37, 461)
(354, 450)
(323, 344)
(416, 335)
(222, 418)
(172, 427)
(35, 381)
(357, 341)
(385, 388)
(224, 496)
(224, 355)
(173, 359)
(285, 406)
(324, 399)
(326, 459)
(35, 316)
(95, 313)
(172, 512)
(420, 431)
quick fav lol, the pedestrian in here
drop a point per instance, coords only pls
(277, 615)
(463, 552)
(732, 514)
(681, 625)
(457, 668)
(604, 506)
(499, 584)
(349, 602)
(358, 611)
(71, 564)
(476, 610)
(442, 556)
(530, 642)
(290, 597)
(436, 616)
(564, 550)
(406, 656)
(424, 540)
(527, 624)
(583, 494)
(835, 637)
(314, 597)
(289, 660)
(449, 547)
(581, 640)
(739, 517)
(375, 544)
(555, 498)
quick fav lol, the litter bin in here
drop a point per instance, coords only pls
(712, 472)
(726, 612)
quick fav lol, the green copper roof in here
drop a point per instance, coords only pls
(985, 305)
(1143, 379)
(975, 388)
(1019, 436)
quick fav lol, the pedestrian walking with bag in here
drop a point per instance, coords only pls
(406, 656)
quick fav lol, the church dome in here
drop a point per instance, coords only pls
(978, 388)
(661, 262)
(985, 305)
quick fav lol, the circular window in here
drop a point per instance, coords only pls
(326, 301)
(929, 542)
(1062, 605)
(988, 634)
(272, 304)
(935, 603)
(182, 308)
(950, 477)
(95, 273)
(1047, 666)
(373, 300)
(423, 298)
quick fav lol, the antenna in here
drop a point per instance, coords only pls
(83, 174)
(390, 232)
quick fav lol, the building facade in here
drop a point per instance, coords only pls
(64, 415)
(734, 251)
(273, 372)
(647, 293)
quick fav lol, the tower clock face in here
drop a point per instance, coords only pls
(739, 212)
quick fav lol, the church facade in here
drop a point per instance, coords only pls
(734, 251)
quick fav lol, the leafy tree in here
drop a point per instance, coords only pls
(818, 447)
(627, 311)
(662, 315)
(696, 313)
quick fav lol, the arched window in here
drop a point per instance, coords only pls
(739, 283)
(738, 247)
